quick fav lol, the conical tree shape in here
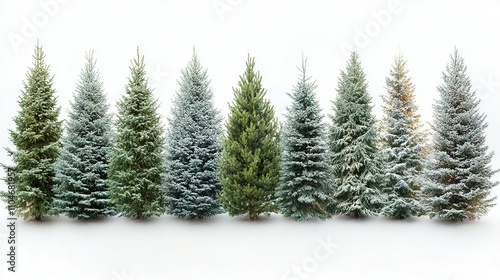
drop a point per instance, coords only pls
(305, 191)
(353, 142)
(137, 160)
(193, 145)
(459, 173)
(82, 168)
(403, 142)
(250, 161)
(37, 141)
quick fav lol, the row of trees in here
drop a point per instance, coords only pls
(305, 169)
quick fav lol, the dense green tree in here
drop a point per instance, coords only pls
(137, 159)
(250, 160)
(37, 142)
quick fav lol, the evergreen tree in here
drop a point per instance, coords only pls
(37, 141)
(250, 160)
(138, 159)
(305, 190)
(357, 169)
(403, 142)
(192, 177)
(459, 173)
(82, 168)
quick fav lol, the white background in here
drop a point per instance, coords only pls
(276, 33)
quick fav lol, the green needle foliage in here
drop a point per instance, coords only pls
(138, 159)
(250, 160)
(37, 141)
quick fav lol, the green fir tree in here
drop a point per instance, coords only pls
(250, 160)
(137, 159)
(37, 142)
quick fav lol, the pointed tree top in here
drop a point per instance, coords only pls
(457, 64)
(250, 74)
(353, 67)
(354, 55)
(455, 57)
(303, 69)
(399, 62)
(39, 54)
(250, 61)
(195, 63)
(139, 60)
(89, 57)
(399, 57)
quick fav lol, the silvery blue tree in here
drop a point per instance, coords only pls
(459, 173)
(82, 168)
(356, 161)
(305, 191)
(403, 144)
(193, 146)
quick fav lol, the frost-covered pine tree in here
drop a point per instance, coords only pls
(137, 159)
(82, 168)
(305, 191)
(193, 145)
(37, 142)
(250, 160)
(403, 144)
(356, 162)
(459, 175)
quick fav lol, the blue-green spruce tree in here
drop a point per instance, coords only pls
(403, 142)
(305, 190)
(356, 161)
(82, 168)
(193, 146)
(459, 175)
